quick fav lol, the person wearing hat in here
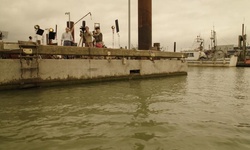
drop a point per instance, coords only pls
(67, 38)
(98, 38)
(88, 37)
(30, 38)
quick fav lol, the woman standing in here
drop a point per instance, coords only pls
(98, 38)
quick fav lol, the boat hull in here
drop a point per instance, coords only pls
(230, 62)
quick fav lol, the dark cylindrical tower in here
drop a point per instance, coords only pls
(174, 46)
(144, 24)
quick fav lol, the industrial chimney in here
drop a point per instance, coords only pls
(144, 24)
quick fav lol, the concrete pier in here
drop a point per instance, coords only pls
(27, 64)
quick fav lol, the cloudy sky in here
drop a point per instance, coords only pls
(173, 20)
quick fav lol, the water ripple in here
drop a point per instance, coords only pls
(208, 109)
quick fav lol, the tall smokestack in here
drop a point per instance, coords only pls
(144, 24)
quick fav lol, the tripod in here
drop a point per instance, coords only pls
(82, 40)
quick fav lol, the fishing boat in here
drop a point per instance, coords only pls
(216, 56)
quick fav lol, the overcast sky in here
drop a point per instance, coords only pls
(173, 20)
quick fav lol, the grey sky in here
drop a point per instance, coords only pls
(173, 21)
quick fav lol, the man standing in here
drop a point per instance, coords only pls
(67, 38)
(88, 37)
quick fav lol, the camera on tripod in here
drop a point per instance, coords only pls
(82, 28)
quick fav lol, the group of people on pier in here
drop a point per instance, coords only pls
(88, 38)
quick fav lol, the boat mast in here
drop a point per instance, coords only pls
(213, 40)
(244, 37)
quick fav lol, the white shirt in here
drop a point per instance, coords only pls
(67, 36)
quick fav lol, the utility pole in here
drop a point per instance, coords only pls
(68, 13)
(129, 25)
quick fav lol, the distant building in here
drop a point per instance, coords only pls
(225, 48)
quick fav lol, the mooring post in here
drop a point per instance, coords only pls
(174, 46)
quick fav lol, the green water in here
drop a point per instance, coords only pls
(209, 109)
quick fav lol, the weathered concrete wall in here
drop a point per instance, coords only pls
(59, 70)
(25, 64)
(90, 68)
(10, 70)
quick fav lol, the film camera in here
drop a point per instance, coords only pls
(82, 28)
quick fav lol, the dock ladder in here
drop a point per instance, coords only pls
(29, 61)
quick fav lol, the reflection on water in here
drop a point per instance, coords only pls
(208, 109)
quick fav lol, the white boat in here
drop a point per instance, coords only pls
(216, 56)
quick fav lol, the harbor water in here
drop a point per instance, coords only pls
(209, 109)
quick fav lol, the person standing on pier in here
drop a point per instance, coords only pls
(30, 38)
(67, 38)
(88, 37)
(98, 38)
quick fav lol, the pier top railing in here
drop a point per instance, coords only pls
(23, 47)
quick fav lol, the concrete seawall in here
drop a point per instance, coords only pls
(28, 71)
